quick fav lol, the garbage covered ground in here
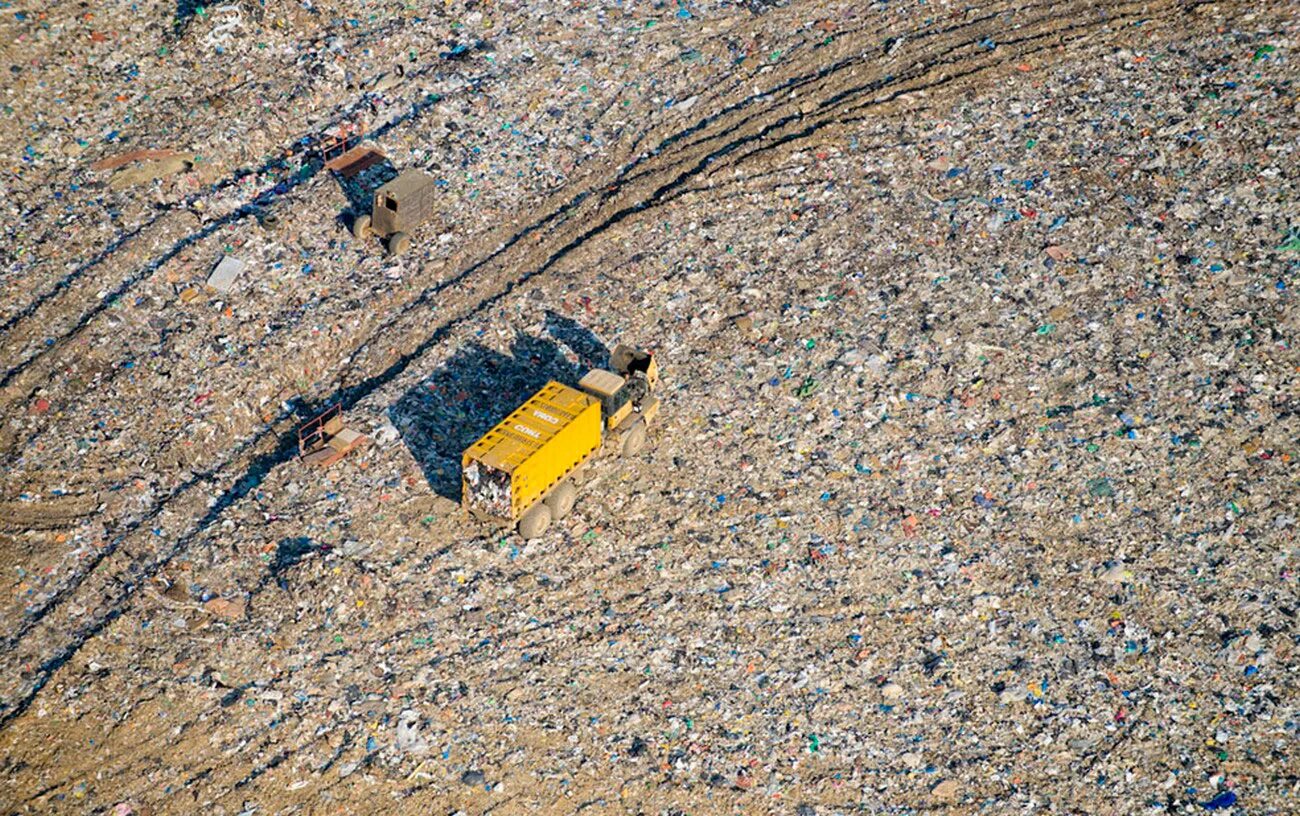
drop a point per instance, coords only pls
(974, 489)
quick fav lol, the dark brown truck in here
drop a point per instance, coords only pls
(400, 206)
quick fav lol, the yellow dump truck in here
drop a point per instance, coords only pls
(526, 470)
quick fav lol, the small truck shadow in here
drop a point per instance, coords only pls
(461, 400)
(360, 189)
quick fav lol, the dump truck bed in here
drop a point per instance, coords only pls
(530, 451)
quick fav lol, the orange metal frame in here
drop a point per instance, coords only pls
(311, 436)
(333, 145)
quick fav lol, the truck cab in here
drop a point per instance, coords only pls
(627, 401)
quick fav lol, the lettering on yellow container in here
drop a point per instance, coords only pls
(530, 452)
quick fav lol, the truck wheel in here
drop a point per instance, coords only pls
(634, 440)
(399, 243)
(361, 227)
(535, 521)
(561, 500)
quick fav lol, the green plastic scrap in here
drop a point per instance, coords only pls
(809, 387)
(1101, 487)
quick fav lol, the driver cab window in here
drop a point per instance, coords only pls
(390, 203)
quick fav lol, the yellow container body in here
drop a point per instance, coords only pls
(529, 452)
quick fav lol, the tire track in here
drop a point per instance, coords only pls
(626, 173)
(626, 200)
(365, 387)
(659, 163)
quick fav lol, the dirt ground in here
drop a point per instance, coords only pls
(975, 483)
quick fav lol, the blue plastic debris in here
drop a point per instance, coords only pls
(1224, 800)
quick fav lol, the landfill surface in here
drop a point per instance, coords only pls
(974, 487)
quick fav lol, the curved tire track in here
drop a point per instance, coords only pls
(568, 228)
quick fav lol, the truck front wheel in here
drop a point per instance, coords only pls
(634, 440)
(398, 243)
(361, 227)
(535, 521)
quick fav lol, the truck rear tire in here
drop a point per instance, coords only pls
(535, 521)
(634, 440)
(361, 227)
(398, 243)
(561, 500)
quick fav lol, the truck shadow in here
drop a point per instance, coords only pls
(462, 399)
(592, 353)
(360, 189)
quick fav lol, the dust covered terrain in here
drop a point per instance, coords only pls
(974, 488)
